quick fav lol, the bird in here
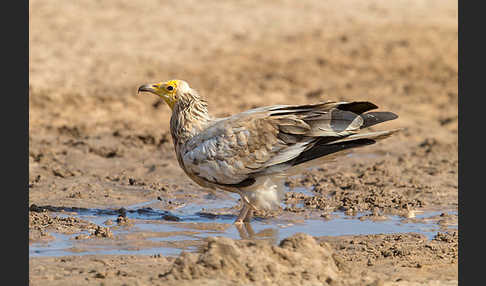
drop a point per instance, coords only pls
(250, 153)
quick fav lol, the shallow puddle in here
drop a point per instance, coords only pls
(153, 231)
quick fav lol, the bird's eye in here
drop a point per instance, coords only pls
(170, 87)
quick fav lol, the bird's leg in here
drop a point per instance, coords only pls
(249, 215)
(246, 212)
(249, 230)
(245, 230)
(243, 213)
(242, 230)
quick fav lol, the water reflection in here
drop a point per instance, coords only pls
(155, 231)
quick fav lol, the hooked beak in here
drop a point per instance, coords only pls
(147, 87)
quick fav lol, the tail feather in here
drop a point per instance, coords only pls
(318, 150)
(319, 130)
(357, 107)
(324, 148)
(378, 135)
(373, 118)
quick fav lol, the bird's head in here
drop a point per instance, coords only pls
(169, 91)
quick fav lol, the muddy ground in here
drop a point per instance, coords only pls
(93, 143)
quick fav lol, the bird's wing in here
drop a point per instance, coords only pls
(235, 149)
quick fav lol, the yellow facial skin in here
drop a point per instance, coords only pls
(166, 90)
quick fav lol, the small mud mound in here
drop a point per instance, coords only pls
(298, 260)
(41, 223)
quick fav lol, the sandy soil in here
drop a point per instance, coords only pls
(93, 143)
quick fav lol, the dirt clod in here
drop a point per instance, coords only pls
(297, 258)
